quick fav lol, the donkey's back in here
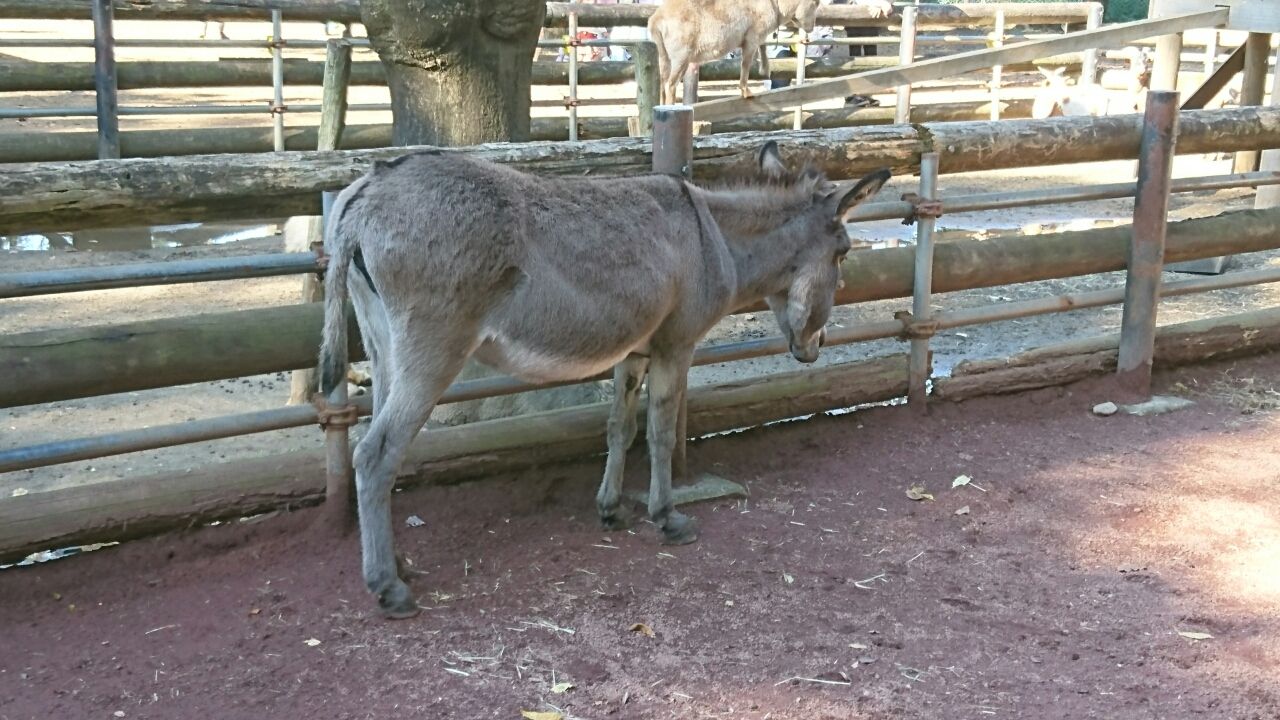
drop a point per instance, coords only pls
(545, 278)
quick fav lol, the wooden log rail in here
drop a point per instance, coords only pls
(71, 363)
(348, 11)
(124, 509)
(127, 193)
(82, 145)
(23, 76)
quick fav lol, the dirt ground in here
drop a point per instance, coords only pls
(1092, 568)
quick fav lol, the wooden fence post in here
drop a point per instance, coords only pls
(104, 80)
(333, 115)
(673, 155)
(1146, 247)
(1257, 49)
(906, 56)
(644, 58)
(1089, 69)
(997, 71)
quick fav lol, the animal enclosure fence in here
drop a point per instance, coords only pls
(64, 364)
(74, 76)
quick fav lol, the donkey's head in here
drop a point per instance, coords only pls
(802, 298)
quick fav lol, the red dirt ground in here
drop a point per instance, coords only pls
(1091, 544)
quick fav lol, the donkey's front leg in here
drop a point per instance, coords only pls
(667, 379)
(627, 378)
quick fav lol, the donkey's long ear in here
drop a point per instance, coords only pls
(770, 161)
(866, 187)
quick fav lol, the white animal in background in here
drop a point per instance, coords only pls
(691, 32)
(1058, 97)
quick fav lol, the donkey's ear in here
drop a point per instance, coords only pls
(771, 161)
(866, 187)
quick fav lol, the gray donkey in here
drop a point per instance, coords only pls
(554, 278)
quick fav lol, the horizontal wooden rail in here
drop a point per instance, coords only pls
(132, 192)
(63, 364)
(22, 76)
(83, 145)
(952, 65)
(960, 15)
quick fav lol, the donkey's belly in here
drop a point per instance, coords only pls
(537, 362)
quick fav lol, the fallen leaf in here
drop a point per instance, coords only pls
(561, 688)
(536, 715)
(254, 611)
(1192, 635)
(642, 629)
(312, 642)
(857, 646)
(787, 578)
(19, 492)
(917, 492)
(414, 521)
(964, 510)
(961, 481)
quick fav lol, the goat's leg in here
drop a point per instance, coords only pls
(668, 376)
(744, 73)
(410, 397)
(627, 378)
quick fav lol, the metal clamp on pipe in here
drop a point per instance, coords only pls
(277, 109)
(913, 329)
(329, 416)
(921, 208)
(322, 260)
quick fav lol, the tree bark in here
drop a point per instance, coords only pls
(459, 70)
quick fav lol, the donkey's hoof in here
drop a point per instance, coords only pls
(679, 529)
(617, 519)
(397, 602)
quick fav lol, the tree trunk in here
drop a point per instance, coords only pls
(459, 71)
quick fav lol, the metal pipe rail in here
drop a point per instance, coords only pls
(64, 451)
(46, 282)
(901, 210)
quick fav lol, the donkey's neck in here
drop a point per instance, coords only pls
(753, 222)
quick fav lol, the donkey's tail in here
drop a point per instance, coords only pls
(340, 246)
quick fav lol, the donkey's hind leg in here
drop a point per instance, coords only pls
(627, 378)
(412, 392)
(668, 376)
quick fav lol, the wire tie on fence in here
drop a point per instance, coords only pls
(336, 417)
(279, 109)
(921, 208)
(322, 259)
(913, 329)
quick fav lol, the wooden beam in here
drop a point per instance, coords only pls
(951, 65)
(348, 11)
(1180, 344)
(24, 147)
(128, 508)
(1215, 83)
(24, 76)
(80, 362)
(127, 193)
